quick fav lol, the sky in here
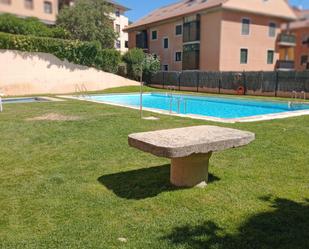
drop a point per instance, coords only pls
(140, 8)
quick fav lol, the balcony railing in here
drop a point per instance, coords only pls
(287, 40)
(285, 65)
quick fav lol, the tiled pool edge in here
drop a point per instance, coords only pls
(265, 117)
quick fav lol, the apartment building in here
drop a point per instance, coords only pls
(47, 11)
(120, 23)
(217, 35)
(300, 29)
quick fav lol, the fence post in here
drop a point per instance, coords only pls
(198, 81)
(220, 81)
(163, 77)
(244, 82)
(179, 75)
(277, 82)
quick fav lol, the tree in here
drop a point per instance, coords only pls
(89, 20)
(137, 61)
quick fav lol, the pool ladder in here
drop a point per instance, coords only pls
(296, 98)
(81, 90)
(1, 104)
(179, 100)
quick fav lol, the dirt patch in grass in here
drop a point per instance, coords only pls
(54, 117)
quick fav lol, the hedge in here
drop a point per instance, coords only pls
(30, 26)
(83, 53)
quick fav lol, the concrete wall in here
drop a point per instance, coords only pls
(17, 7)
(39, 73)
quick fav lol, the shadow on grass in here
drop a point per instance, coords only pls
(286, 227)
(142, 183)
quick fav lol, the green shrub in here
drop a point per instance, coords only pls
(151, 65)
(83, 53)
(30, 26)
(136, 60)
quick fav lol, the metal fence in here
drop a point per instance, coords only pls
(277, 83)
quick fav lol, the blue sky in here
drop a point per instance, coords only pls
(140, 8)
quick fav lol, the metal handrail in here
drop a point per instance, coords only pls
(81, 90)
(1, 104)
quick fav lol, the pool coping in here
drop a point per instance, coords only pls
(256, 118)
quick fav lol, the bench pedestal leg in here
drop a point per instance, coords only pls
(190, 171)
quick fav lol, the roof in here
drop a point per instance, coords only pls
(300, 24)
(276, 8)
(118, 5)
(303, 19)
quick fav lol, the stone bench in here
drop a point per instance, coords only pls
(189, 149)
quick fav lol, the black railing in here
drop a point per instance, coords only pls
(142, 40)
(272, 83)
(287, 39)
(285, 65)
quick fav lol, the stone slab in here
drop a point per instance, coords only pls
(183, 142)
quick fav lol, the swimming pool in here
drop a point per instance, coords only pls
(222, 108)
(23, 100)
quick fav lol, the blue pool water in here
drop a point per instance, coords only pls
(218, 107)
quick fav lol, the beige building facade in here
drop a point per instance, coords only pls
(217, 35)
(45, 10)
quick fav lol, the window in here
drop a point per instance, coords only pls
(178, 56)
(29, 4)
(154, 35)
(142, 39)
(191, 56)
(304, 60)
(270, 57)
(165, 67)
(245, 29)
(117, 12)
(118, 44)
(179, 29)
(5, 1)
(48, 7)
(118, 28)
(165, 42)
(243, 56)
(305, 39)
(191, 28)
(272, 30)
(126, 44)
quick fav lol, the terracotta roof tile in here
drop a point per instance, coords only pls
(177, 9)
(278, 8)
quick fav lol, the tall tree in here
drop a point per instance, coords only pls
(89, 20)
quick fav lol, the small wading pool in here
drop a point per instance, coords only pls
(24, 100)
(212, 108)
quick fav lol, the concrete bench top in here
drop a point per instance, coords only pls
(183, 142)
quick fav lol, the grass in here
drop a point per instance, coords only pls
(77, 184)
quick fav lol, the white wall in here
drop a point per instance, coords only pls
(23, 73)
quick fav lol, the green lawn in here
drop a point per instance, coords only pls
(77, 184)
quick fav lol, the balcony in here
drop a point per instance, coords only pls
(287, 40)
(285, 65)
